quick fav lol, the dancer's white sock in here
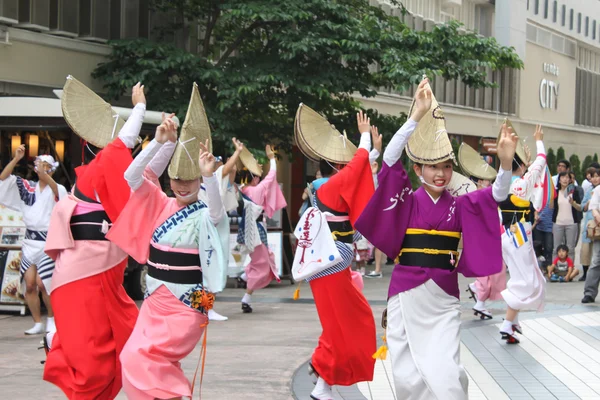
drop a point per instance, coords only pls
(247, 298)
(322, 390)
(516, 320)
(480, 305)
(506, 326)
(473, 287)
(244, 277)
(50, 326)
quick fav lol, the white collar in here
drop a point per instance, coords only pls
(431, 197)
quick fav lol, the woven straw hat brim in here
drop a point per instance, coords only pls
(317, 137)
(247, 159)
(88, 115)
(473, 165)
(460, 185)
(520, 151)
(429, 143)
(195, 130)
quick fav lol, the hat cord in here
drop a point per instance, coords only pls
(439, 134)
(343, 141)
(184, 148)
(116, 117)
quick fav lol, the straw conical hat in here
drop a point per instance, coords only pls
(195, 130)
(473, 165)
(249, 162)
(318, 139)
(521, 151)
(429, 143)
(90, 117)
(460, 185)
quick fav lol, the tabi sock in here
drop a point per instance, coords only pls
(480, 305)
(322, 390)
(247, 298)
(244, 277)
(506, 326)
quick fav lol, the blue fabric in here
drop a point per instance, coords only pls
(318, 183)
(176, 218)
(347, 254)
(587, 216)
(545, 220)
(26, 190)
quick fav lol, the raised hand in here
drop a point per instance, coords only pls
(166, 131)
(364, 122)
(137, 94)
(20, 152)
(206, 161)
(269, 151)
(539, 133)
(377, 139)
(239, 146)
(423, 98)
(172, 138)
(506, 147)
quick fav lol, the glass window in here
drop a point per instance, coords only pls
(554, 11)
(578, 22)
(536, 7)
(9, 10)
(571, 19)
(587, 25)
(594, 30)
(546, 9)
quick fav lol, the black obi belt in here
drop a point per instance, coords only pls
(429, 249)
(90, 226)
(174, 260)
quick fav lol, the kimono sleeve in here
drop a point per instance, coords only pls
(480, 224)
(132, 231)
(385, 218)
(267, 194)
(16, 192)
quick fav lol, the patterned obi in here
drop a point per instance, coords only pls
(429, 249)
(339, 224)
(36, 235)
(174, 266)
(514, 209)
(90, 226)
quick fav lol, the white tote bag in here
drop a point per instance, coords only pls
(316, 250)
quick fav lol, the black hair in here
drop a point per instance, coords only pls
(516, 164)
(558, 179)
(89, 152)
(562, 247)
(566, 162)
(595, 165)
(325, 168)
(243, 176)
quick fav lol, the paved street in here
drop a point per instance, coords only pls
(263, 355)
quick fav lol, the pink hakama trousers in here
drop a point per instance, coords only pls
(491, 287)
(166, 331)
(260, 270)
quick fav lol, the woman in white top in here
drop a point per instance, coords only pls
(566, 216)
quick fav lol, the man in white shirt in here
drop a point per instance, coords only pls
(562, 166)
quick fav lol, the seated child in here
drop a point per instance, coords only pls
(562, 268)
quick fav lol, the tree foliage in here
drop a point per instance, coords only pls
(560, 154)
(587, 161)
(551, 160)
(256, 60)
(576, 167)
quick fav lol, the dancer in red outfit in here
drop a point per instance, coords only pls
(94, 316)
(348, 342)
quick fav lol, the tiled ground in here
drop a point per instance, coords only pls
(558, 358)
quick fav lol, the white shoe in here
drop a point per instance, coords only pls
(50, 325)
(49, 337)
(37, 329)
(322, 391)
(215, 316)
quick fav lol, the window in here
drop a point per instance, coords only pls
(34, 14)
(587, 25)
(594, 30)
(536, 7)
(571, 19)
(94, 20)
(9, 11)
(546, 9)
(554, 10)
(64, 17)
(578, 22)
(563, 16)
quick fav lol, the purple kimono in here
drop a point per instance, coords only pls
(394, 208)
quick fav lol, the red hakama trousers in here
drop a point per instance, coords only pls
(344, 355)
(94, 318)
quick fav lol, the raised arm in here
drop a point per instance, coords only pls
(131, 130)
(160, 161)
(135, 173)
(536, 170)
(395, 147)
(228, 167)
(507, 146)
(206, 161)
(8, 170)
(47, 179)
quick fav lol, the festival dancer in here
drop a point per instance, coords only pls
(35, 200)
(423, 313)
(258, 197)
(486, 287)
(184, 242)
(346, 346)
(526, 287)
(94, 315)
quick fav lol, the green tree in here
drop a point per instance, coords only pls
(257, 60)
(551, 160)
(586, 164)
(576, 167)
(560, 154)
(595, 157)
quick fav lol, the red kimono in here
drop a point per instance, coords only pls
(94, 315)
(348, 342)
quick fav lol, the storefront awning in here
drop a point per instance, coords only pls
(39, 107)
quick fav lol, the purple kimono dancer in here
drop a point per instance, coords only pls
(423, 307)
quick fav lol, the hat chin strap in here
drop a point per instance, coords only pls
(194, 193)
(430, 185)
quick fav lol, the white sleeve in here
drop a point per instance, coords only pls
(595, 200)
(365, 141)
(159, 162)
(373, 156)
(214, 202)
(10, 195)
(395, 147)
(273, 165)
(536, 170)
(501, 187)
(131, 130)
(135, 173)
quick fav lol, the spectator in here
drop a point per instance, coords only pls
(593, 275)
(562, 268)
(543, 234)
(562, 166)
(587, 183)
(586, 243)
(566, 216)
